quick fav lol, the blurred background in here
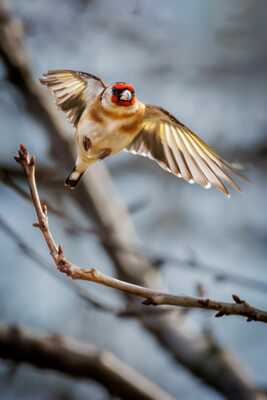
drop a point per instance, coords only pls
(206, 63)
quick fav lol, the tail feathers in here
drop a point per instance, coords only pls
(73, 179)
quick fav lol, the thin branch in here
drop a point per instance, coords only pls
(78, 360)
(189, 263)
(152, 297)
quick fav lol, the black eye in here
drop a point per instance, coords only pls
(116, 91)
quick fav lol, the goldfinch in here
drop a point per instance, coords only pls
(110, 118)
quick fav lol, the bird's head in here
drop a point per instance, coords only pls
(120, 94)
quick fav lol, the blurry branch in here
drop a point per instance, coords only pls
(152, 297)
(8, 175)
(7, 171)
(44, 173)
(8, 180)
(78, 360)
(214, 365)
(131, 311)
(217, 273)
(191, 263)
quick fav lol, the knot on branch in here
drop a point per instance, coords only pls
(237, 300)
(62, 264)
(220, 314)
(204, 302)
(44, 208)
(149, 302)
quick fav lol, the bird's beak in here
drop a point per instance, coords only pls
(126, 95)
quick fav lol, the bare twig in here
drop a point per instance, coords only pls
(189, 263)
(152, 297)
(79, 360)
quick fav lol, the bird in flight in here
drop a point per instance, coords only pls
(110, 118)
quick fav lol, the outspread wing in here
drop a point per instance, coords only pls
(73, 90)
(180, 151)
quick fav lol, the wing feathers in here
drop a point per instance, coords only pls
(177, 149)
(171, 162)
(197, 175)
(209, 168)
(216, 164)
(179, 156)
(73, 91)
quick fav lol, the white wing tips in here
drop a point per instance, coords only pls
(181, 152)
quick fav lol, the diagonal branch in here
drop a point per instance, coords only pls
(78, 360)
(152, 297)
(189, 263)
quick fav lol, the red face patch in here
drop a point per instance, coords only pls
(118, 90)
(123, 86)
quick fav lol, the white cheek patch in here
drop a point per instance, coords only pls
(126, 95)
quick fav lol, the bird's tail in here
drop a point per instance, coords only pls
(76, 174)
(73, 178)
